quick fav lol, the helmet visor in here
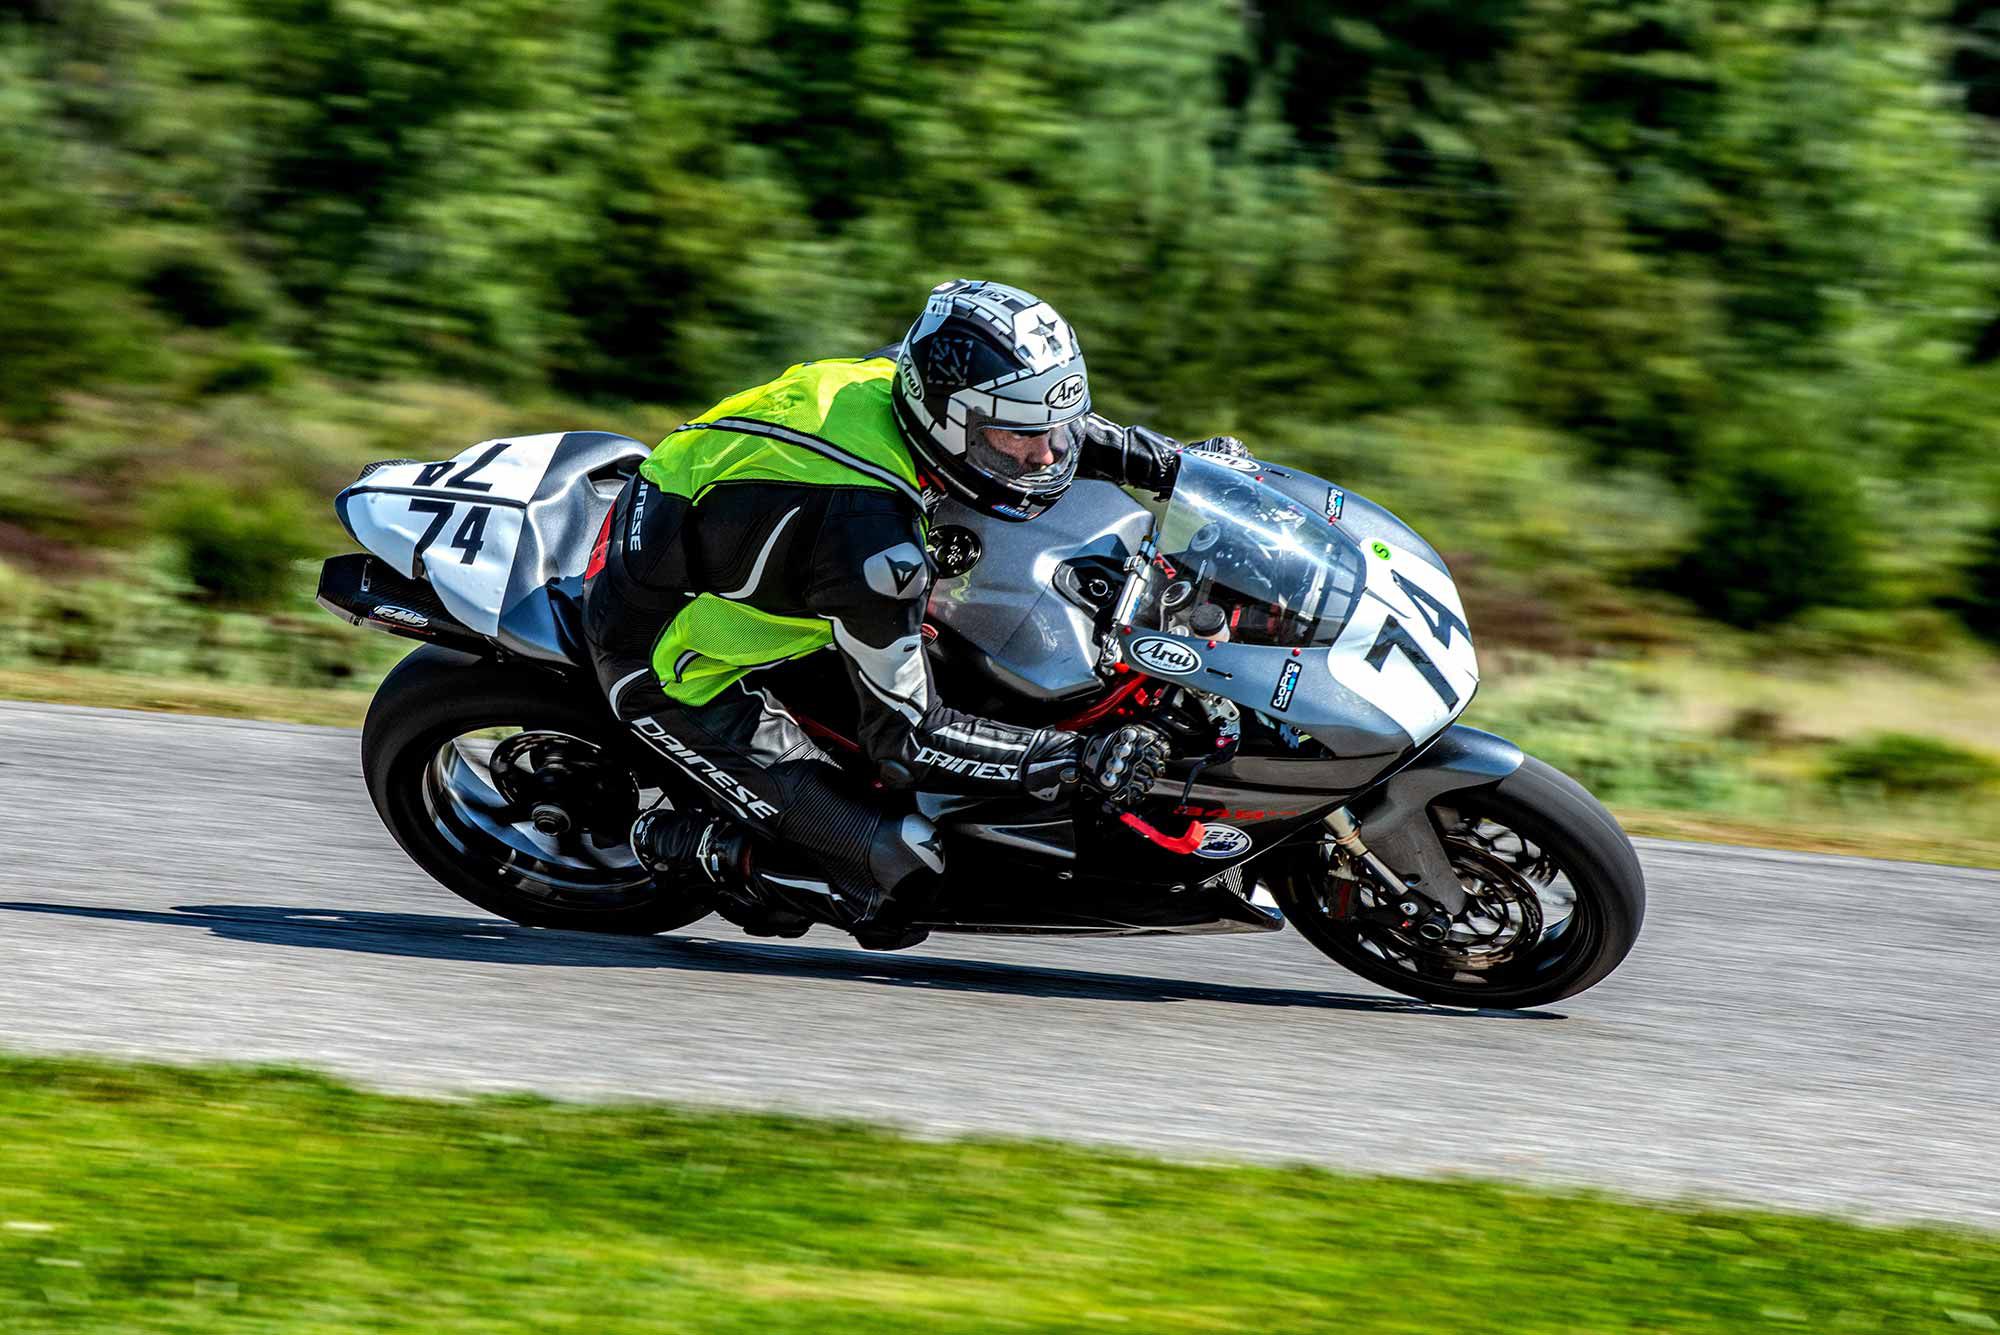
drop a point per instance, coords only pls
(1031, 457)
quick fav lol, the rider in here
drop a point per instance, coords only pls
(794, 515)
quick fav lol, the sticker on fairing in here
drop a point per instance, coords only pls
(1407, 649)
(1222, 841)
(1288, 681)
(1168, 657)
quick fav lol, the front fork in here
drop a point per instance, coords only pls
(1414, 846)
(1402, 849)
(1408, 903)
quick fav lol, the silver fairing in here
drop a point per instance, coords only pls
(521, 512)
(586, 473)
(1036, 641)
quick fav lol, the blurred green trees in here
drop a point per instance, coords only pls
(1899, 764)
(58, 292)
(1778, 533)
(1981, 606)
(1657, 229)
(234, 548)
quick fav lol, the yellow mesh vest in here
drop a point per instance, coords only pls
(820, 423)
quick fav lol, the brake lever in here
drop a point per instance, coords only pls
(1221, 752)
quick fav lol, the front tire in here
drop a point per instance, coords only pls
(1536, 832)
(428, 751)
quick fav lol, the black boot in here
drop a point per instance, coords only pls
(890, 934)
(712, 852)
(692, 845)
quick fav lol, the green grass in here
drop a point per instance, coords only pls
(333, 706)
(1765, 753)
(144, 1199)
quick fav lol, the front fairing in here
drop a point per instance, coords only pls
(1320, 724)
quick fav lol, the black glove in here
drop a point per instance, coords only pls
(1122, 765)
(1141, 457)
(1131, 456)
(1152, 461)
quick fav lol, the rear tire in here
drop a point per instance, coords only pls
(1550, 814)
(434, 697)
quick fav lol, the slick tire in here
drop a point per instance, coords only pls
(434, 696)
(1585, 842)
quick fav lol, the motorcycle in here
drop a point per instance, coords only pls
(1305, 651)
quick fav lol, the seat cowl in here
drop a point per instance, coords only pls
(547, 624)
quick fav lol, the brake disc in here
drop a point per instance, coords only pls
(1499, 894)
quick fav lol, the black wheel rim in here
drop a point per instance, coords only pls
(484, 794)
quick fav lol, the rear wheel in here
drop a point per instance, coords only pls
(515, 795)
(1556, 900)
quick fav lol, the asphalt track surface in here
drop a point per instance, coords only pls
(1808, 1032)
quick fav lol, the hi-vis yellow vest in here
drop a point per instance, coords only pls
(824, 423)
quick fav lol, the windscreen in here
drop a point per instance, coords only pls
(1239, 560)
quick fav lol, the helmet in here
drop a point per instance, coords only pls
(990, 387)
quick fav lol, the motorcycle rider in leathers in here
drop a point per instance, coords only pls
(794, 515)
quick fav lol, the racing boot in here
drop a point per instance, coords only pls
(905, 859)
(713, 852)
(880, 887)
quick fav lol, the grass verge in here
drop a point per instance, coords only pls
(1827, 833)
(145, 1199)
(343, 707)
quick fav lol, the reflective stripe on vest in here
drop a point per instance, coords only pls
(805, 440)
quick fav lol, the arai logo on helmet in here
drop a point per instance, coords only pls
(1222, 841)
(1169, 657)
(1066, 394)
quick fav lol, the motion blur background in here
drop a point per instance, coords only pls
(1673, 323)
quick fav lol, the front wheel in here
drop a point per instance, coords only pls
(515, 795)
(1556, 899)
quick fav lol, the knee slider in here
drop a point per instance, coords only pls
(901, 848)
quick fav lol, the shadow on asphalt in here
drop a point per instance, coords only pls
(494, 941)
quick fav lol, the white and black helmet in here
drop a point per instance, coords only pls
(990, 386)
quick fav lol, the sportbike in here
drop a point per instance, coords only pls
(1305, 651)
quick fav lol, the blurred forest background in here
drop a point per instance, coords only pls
(1675, 324)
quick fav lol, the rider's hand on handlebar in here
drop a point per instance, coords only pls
(1122, 765)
